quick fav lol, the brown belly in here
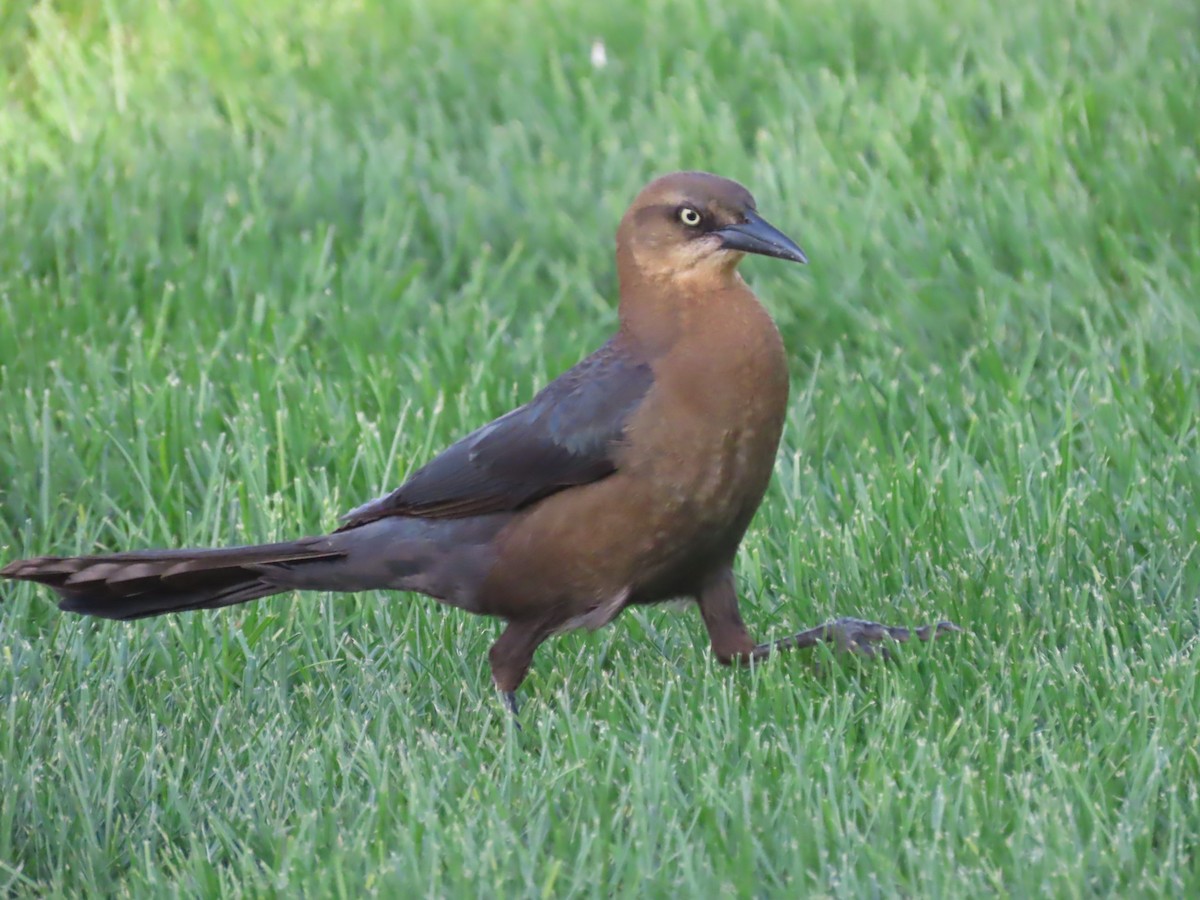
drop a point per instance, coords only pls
(654, 530)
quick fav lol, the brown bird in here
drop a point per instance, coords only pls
(629, 479)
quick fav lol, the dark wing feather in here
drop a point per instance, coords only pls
(564, 436)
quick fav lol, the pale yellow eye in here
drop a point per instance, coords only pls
(689, 217)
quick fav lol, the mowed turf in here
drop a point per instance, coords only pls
(259, 260)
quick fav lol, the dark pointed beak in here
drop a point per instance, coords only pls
(757, 235)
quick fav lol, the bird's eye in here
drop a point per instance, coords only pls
(689, 216)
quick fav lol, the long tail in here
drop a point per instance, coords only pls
(154, 582)
(444, 558)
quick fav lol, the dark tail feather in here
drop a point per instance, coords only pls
(154, 582)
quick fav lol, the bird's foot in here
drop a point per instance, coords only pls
(853, 636)
(870, 638)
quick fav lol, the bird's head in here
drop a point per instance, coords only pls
(694, 225)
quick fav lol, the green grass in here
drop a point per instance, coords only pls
(259, 260)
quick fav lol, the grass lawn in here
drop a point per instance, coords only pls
(258, 260)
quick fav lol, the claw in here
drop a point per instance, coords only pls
(929, 632)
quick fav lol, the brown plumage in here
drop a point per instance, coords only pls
(629, 479)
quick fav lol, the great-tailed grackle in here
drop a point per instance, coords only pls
(629, 479)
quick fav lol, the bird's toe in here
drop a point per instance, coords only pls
(870, 639)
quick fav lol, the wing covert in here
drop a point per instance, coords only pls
(565, 436)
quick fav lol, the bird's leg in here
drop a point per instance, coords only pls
(511, 657)
(731, 642)
(510, 699)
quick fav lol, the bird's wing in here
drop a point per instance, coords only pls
(567, 435)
